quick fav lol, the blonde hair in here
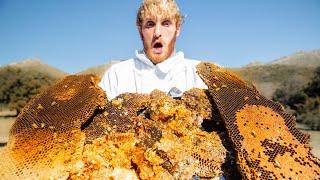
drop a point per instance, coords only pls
(165, 8)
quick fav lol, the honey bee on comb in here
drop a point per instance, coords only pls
(70, 131)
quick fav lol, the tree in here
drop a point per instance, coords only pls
(305, 102)
(313, 88)
(298, 98)
(19, 86)
(280, 96)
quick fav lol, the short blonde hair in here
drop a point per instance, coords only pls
(166, 8)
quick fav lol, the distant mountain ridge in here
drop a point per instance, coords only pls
(100, 69)
(255, 63)
(38, 66)
(293, 69)
(301, 58)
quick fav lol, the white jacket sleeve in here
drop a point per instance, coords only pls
(109, 83)
(198, 81)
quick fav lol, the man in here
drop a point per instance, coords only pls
(158, 65)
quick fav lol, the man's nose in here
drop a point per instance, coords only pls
(157, 31)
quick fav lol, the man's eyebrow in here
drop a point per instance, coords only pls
(149, 19)
(166, 20)
(152, 18)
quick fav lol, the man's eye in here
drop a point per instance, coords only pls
(166, 23)
(150, 24)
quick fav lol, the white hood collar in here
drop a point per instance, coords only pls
(164, 66)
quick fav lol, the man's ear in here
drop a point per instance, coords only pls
(178, 31)
(140, 32)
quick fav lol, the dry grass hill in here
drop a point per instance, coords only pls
(38, 66)
(98, 70)
(301, 58)
(20, 81)
(294, 71)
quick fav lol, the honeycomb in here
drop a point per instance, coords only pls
(47, 133)
(267, 144)
(62, 107)
(158, 137)
(71, 132)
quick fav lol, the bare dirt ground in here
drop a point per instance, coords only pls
(6, 123)
(314, 141)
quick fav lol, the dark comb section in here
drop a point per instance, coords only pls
(267, 144)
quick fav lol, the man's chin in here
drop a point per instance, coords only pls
(157, 58)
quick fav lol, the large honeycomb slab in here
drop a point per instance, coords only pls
(69, 132)
(46, 139)
(267, 144)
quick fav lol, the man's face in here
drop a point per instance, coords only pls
(159, 37)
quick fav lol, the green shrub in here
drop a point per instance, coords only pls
(280, 96)
(312, 119)
(298, 98)
(305, 102)
(313, 88)
(19, 86)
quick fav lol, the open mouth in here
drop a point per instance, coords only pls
(158, 48)
(157, 45)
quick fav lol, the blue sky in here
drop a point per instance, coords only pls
(73, 35)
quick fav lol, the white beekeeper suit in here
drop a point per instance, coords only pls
(139, 75)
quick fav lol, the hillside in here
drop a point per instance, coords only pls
(304, 103)
(268, 78)
(37, 66)
(302, 59)
(98, 70)
(293, 71)
(21, 81)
